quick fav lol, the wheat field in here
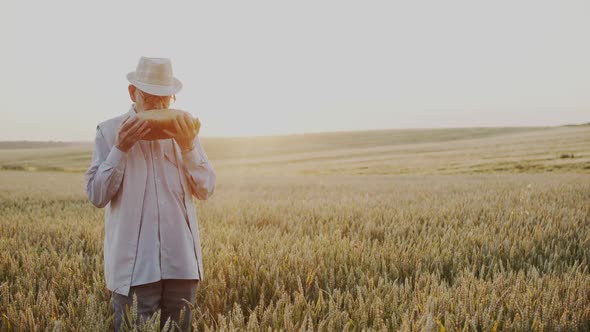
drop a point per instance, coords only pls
(480, 229)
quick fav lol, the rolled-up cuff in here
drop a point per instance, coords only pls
(196, 156)
(115, 157)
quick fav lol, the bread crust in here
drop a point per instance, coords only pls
(163, 119)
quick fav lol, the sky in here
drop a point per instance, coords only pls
(283, 67)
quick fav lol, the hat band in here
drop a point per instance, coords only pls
(153, 78)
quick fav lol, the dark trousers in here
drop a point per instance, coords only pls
(168, 295)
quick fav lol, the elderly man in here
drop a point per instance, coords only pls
(151, 247)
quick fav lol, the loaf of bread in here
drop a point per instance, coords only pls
(160, 119)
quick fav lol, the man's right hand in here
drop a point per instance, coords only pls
(131, 130)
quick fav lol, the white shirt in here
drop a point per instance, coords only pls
(151, 229)
(165, 249)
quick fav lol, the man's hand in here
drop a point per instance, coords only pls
(186, 131)
(132, 129)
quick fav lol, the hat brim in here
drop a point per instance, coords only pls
(153, 89)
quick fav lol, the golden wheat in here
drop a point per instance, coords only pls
(408, 253)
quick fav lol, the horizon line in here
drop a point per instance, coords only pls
(328, 132)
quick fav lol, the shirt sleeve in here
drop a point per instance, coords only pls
(199, 171)
(104, 177)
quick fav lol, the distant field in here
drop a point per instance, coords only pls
(415, 151)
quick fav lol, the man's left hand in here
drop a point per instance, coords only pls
(186, 131)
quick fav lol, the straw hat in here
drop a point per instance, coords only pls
(154, 76)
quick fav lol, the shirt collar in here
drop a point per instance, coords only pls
(131, 110)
